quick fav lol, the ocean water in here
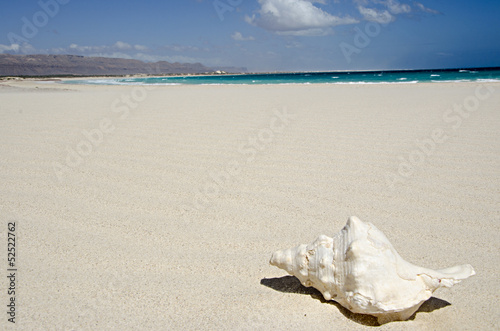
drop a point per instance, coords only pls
(343, 77)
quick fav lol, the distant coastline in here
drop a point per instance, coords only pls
(73, 66)
(81, 66)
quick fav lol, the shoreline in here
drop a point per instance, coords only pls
(63, 78)
(141, 207)
(223, 73)
(41, 83)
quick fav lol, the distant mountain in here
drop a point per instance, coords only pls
(48, 65)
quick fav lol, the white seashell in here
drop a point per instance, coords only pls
(361, 270)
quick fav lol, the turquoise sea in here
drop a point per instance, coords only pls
(339, 77)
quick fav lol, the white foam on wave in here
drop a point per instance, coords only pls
(125, 82)
(488, 80)
(161, 84)
(452, 81)
(101, 82)
(375, 83)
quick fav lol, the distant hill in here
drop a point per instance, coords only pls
(48, 65)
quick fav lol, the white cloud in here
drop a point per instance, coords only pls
(295, 17)
(155, 58)
(118, 46)
(425, 9)
(375, 15)
(12, 47)
(239, 37)
(396, 7)
(384, 11)
(180, 48)
(122, 45)
(24, 48)
(140, 48)
(78, 48)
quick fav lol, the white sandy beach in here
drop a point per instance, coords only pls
(159, 209)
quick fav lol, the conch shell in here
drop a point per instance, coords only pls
(361, 270)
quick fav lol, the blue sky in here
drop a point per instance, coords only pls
(262, 35)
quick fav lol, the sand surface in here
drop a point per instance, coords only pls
(167, 217)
